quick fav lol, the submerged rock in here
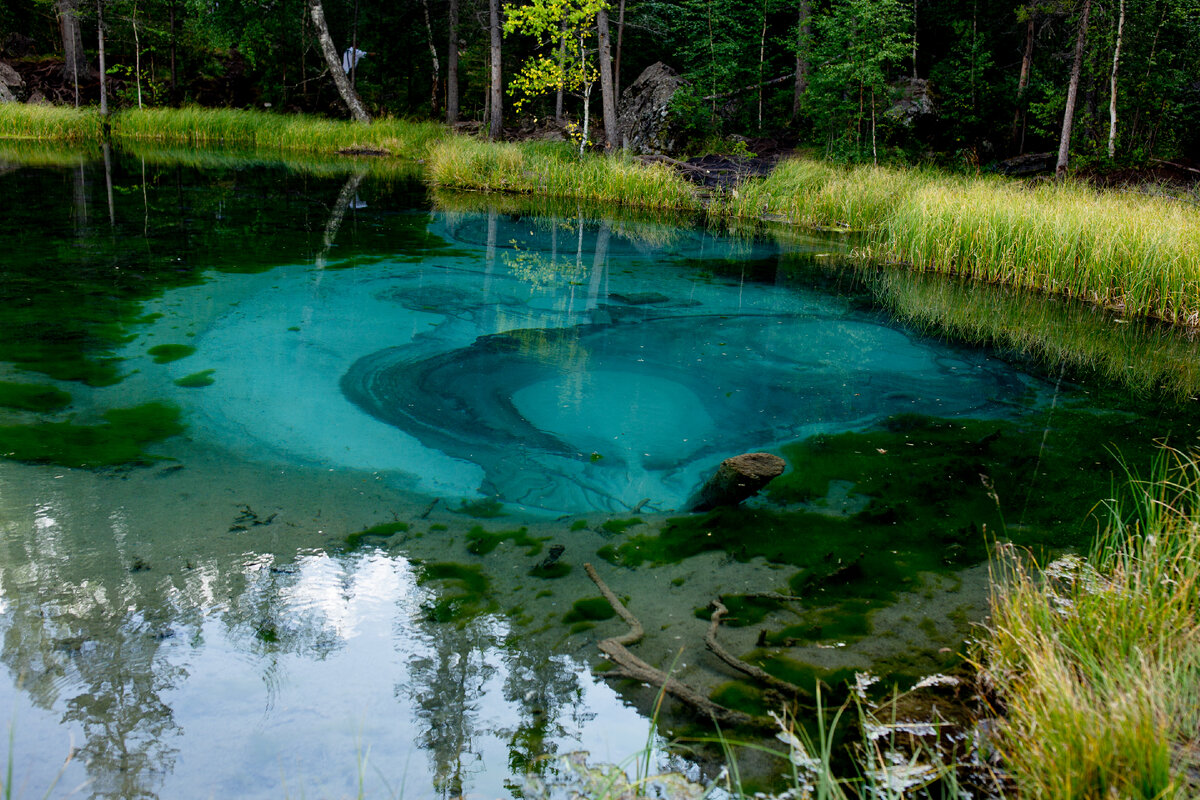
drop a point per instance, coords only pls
(737, 479)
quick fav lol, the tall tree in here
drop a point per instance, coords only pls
(1064, 141)
(103, 67)
(803, 43)
(452, 67)
(349, 96)
(608, 103)
(1112, 98)
(496, 93)
(75, 66)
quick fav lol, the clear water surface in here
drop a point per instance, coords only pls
(491, 385)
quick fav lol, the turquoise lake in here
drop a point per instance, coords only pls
(303, 506)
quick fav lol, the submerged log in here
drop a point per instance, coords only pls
(737, 479)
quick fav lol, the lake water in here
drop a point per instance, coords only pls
(314, 515)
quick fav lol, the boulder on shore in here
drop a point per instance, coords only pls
(644, 125)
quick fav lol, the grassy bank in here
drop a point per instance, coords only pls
(1096, 662)
(1130, 252)
(552, 169)
(208, 127)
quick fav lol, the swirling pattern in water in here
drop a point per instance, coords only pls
(597, 416)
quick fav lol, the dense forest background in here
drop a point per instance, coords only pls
(957, 81)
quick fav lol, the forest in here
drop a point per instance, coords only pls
(960, 84)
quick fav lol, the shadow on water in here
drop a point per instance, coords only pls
(299, 466)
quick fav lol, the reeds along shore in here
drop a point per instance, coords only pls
(1096, 661)
(1137, 254)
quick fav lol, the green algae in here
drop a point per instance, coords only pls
(31, 397)
(166, 353)
(620, 525)
(377, 533)
(119, 440)
(591, 609)
(464, 592)
(197, 380)
(579, 525)
(482, 542)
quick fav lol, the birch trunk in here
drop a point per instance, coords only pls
(349, 96)
(1112, 96)
(436, 77)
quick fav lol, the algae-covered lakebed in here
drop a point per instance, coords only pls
(302, 470)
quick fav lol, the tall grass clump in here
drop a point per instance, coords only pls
(1138, 254)
(257, 129)
(1096, 661)
(554, 170)
(823, 195)
(45, 122)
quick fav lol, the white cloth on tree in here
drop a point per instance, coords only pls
(351, 57)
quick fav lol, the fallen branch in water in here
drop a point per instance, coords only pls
(757, 673)
(630, 666)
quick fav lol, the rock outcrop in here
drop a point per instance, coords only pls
(644, 126)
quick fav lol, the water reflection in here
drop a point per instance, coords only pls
(203, 624)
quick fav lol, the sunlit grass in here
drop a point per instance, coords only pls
(1139, 254)
(1096, 662)
(554, 170)
(207, 126)
(45, 122)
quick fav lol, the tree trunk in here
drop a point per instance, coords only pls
(75, 66)
(1023, 81)
(103, 67)
(762, 56)
(562, 60)
(174, 83)
(349, 96)
(617, 60)
(496, 93)
(452, 67)
(1112, 95)
(804, 31)
(433, 57)
(1064, 142)
(608, 103)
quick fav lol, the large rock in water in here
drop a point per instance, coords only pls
(644, 126)
(737, 479)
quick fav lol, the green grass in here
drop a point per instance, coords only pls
(1137, 254)
(56, 123)
(555, 170)
(231, 127)
(1096, 661)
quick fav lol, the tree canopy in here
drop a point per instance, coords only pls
(879, 79)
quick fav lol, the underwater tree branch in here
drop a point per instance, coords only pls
(757, 673)
(630, 666)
